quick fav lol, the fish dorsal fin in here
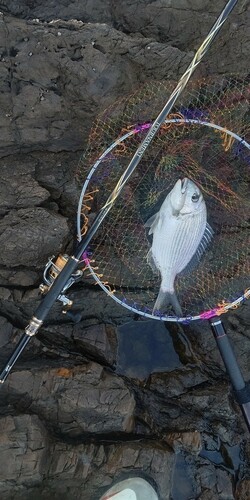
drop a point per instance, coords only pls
(204, 243)
(152, 222)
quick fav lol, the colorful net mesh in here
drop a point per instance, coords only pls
(205, 139)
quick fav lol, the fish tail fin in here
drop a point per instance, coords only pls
(165, 299)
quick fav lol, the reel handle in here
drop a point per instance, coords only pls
(75, 316)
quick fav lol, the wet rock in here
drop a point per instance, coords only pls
(214, 484)
(55, 77)
(29, 235)
(169, 402)
(92, 11)
(74, 401)
(18, 188)
(43, 468)
(6, 331)
(185, 441)
(195, 477)
(97, 341)
(52, 75)
(243, 490)
(158, 21)
(23, 456)
(145, 347)
(17, 277)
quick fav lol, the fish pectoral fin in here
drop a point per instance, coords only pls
(152, 222)
(166, 299)
(204, 243)
(151, 262)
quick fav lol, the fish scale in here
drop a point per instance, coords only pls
(176, 251)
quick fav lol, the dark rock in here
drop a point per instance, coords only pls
(215, 484)
(187, 441)
(6, 331)
(56, 173)
(48, 73)
(164, 23)
(156, 20)
(66, 420)
(243, 490)
(169, 405)
(93, 304)
(97, 341)
(24, 449)
(25, 278)
(92, 11)
(34, 465)
(18, 187)
(74, 401)
(29, 235)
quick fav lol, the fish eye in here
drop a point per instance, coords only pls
(195, 197)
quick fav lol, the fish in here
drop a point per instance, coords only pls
(181, 235)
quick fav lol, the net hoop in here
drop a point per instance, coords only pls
(217, 311)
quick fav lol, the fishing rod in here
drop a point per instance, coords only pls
(66, 274)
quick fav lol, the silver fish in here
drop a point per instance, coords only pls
(180, 236)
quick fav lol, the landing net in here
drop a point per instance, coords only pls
(205, 138)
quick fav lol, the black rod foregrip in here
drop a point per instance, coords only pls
(241, 390)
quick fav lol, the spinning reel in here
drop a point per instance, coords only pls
(52, 269)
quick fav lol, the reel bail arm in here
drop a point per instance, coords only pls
(51, 272)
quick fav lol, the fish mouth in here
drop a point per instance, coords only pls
(184, 183)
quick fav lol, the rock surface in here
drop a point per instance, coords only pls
(71, 423)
